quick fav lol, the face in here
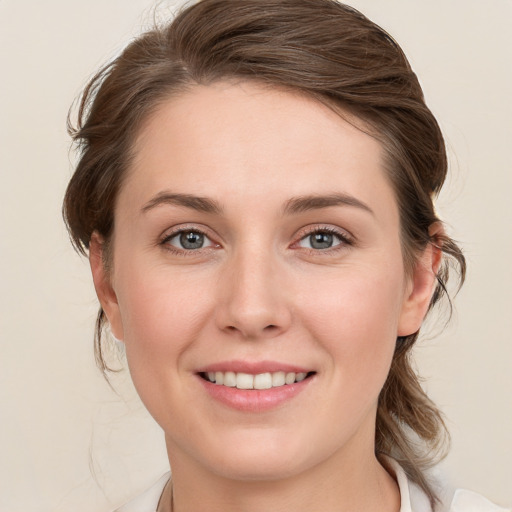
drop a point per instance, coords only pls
(257, 245)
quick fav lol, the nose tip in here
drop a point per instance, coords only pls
(252, 304)
(262, 317)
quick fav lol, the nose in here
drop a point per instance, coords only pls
(252, 299)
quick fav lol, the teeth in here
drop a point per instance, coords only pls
(290, 378)
(244, 381)
(230, 379)
(278, 379)
(263, 381)
(259, 381)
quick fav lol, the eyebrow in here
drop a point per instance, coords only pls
(313, 202)
(202, 204)
(292, 206)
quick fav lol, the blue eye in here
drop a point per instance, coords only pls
(322, 240)
(189, 240)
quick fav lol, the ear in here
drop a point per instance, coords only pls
(421, 285)
(103, 285)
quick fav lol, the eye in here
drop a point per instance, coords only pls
(188, 240)
(322, 239)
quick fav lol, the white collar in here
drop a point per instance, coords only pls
(412, 498)
(148, 500)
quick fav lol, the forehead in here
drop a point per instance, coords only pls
(245, 140)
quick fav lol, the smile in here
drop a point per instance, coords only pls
(247, 381)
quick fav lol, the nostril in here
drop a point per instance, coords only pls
(268, 330)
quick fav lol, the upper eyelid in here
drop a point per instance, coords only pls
(174, 234)
(318, 228)
(174, 231)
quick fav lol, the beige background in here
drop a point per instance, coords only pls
(67, 442)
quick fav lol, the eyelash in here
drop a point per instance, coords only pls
(184, 252)
(345, 240)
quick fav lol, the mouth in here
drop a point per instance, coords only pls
(259, 381)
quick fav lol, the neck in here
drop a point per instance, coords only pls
(331, 486)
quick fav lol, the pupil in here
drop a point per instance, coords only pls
(191, 240)
(321, 240)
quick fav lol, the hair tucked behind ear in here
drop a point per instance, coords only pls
(320, 48)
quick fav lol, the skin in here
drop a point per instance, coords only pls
(258, 291)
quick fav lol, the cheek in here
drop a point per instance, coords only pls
(354, 316)
(162, 315)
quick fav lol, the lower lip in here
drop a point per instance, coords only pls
(254, 400)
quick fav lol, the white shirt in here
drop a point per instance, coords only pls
(412, 498)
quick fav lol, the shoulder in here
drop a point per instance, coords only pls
(460, 500)
(469, 501)
(413, 499)
(148, 500)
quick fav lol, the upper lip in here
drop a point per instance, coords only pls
(252, 367)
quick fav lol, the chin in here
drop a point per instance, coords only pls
(260, 456)
(269, 467)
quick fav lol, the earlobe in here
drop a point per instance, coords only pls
(103, 285)
(421, 285)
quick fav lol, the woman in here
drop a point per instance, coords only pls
(255, 193)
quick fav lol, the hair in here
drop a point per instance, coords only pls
(321, 48)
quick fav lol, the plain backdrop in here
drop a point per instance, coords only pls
(67, 442)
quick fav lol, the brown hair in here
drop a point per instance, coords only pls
(321, 48)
